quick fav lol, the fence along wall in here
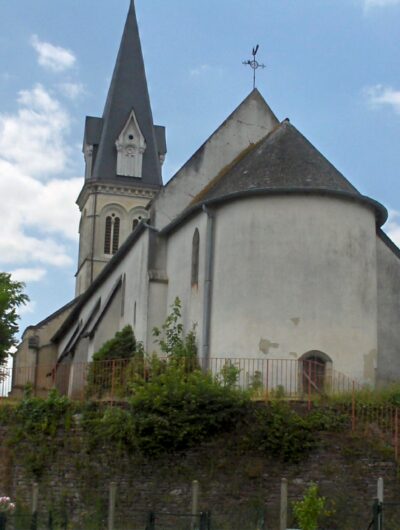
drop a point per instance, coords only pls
(288, 378)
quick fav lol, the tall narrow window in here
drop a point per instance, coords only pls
(107, 236)
(111, 235)
(195, 258)
(115, 241)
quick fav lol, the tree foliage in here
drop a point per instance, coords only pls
(122, 346)
(11, 297)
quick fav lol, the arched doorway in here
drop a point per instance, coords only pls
(314, 369)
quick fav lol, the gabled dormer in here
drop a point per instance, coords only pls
(131, 146)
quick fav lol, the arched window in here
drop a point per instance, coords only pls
(136, 221)
(111, 234)
(195, 257)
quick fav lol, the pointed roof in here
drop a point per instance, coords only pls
(128, 91)
(283, 160)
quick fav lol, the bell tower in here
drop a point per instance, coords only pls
(124, 152)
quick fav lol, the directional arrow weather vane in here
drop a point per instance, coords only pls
(254, 64)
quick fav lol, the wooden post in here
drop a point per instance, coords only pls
(380, 490)
(380, 501)
(284, 504)
(112, 380)
(396, 434)
(35, 497)
(195, 503)
(111, 505)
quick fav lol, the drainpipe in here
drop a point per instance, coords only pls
(208, 279)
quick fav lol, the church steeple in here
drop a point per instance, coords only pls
(124, 152)
(128, 109)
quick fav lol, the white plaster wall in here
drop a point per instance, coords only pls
(179, 266)
(248, 124)
(388, 369)
(294, 274)
(134, 266)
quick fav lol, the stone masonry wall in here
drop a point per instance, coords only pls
(236, 486)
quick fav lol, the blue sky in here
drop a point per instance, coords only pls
(333, 68)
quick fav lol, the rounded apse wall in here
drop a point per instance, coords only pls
(294, 274)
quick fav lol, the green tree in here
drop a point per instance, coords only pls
(11, 297)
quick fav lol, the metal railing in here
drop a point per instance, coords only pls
(110, 380)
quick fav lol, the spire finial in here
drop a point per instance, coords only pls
(254, 64)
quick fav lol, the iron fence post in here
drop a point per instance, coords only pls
(151, 521)
(34, 521)
(3, 521)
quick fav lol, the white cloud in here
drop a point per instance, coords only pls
(199, 70)
(34, 138)
(392, 227)
(380, 95)
(28, 275)
(72, 90)
(380, 3)
(52, 57)
(39, 217)
(27, 309)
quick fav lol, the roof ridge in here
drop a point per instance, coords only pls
(249, 149)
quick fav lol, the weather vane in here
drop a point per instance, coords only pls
(254, 64)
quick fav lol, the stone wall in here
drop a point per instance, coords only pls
(236, 486)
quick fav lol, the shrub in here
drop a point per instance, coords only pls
(174, 344)
(310, 509)
(277, 430)
(105, 375)
(34, 427)
(176, 410)
(122, 346)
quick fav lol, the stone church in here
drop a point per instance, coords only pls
(272, 251)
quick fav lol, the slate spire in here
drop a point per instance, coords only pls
(128, 91)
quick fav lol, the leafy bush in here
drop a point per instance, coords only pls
(327, 419)
(122, 346)
(279, 431)
(174, 344)
(117, 362)
(176, 410)
(310, 509)
(34, 427)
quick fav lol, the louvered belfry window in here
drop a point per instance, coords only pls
(115, 239)
(107, 236)
(111, 234)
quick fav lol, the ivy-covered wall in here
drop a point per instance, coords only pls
(235, 485)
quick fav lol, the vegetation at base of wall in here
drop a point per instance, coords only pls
(172, 412)
(309, 511)
(33, 427)
(388, 395)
